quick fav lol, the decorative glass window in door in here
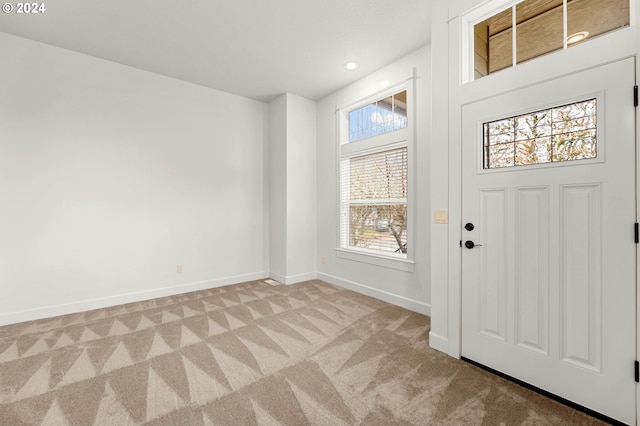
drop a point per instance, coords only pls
(563, 133)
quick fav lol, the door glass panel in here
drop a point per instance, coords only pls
(558, 134)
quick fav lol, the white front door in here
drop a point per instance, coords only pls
(548, 290)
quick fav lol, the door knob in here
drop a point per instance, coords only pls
(470, 244)
(469, 226)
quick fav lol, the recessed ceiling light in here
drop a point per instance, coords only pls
(574, 38)
(351, 65)
(385, 83)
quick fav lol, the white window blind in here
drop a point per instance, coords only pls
(374, 201)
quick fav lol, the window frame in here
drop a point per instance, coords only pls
(383, 142)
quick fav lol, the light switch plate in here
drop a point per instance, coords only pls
(440, 216)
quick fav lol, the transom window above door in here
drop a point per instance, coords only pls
(527, 29)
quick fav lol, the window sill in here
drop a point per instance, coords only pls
(376, 259)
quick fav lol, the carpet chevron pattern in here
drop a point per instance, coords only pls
(251, 354)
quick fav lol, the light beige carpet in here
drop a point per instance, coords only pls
(247, 354)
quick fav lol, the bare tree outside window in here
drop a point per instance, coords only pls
(378, 197)
(558, 134)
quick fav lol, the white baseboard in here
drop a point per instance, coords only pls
(293, 279)
(438, 342)
(277, 277)
(86, 305)
(405, 302)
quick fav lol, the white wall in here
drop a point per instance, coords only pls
(405, 288)
(277, 153)
(110, 177)
(292, 155)
(301, 189)
(438, 181)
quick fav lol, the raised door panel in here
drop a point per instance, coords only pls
(532, 268)
(581, 272)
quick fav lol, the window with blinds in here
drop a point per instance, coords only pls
(374, 178)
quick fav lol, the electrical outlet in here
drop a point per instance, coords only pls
(179, 269)
(323, 259)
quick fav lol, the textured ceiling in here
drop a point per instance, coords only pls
(253, 48)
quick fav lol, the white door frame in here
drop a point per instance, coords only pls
(637, 187)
